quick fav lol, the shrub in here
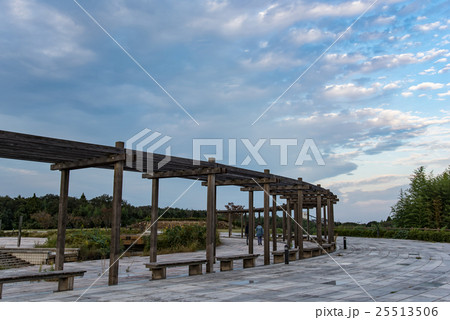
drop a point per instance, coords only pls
(186, 238)
(93, 243)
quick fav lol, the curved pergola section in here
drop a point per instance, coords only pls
(66, 155)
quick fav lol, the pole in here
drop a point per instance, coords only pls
(154, 221)
(19, 237)
(251, 223)
(113, 276)
(62, 219)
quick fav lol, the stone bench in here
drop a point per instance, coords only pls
(226, 262)
(65, 278)
(278, 256)
(158, 269)
(311, 252)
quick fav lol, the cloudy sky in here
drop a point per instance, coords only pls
(373, 97)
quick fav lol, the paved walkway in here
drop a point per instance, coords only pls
(11, 242)
(387, 269)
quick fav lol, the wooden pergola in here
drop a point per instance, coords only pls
(66, 155)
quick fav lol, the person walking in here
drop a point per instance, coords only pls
(246, 232)
(259, 233)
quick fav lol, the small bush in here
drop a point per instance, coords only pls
(411, 234)
(93, 243)
(186, 238)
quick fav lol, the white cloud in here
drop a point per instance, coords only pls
(349, 91)
(428, 26)
(344, 58)
(427, 86)
(390, 86)
(385, 20)
(428, 71)
(395, 60)
(271, 60)
(263, 44)
(421, 18)
(444, 69)
(446, 94)
(441, 60)
(407, 94)
(303, 36)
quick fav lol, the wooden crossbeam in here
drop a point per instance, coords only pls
(87, 163)
(240, 182)
(184, 173)
(278, 189)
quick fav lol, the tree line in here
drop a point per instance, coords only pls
(426, 203)
(42, 212)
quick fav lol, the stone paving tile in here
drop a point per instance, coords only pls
(387, 269)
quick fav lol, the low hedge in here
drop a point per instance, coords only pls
(411, 234)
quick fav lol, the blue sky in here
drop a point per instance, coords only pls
(375, 103)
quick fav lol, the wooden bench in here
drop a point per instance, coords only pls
(65, 278)
(158, 269)
(226, 262)
(278, 256)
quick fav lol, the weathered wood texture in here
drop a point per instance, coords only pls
(251, 222)
(154, 221)
(62, 220)
(113, 278)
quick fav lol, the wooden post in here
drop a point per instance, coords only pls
(62, 219)
(307, 223)
(266, 224)
(300, 223)
(215, 219)
(318, 219)
(0, 224)
(230, 226)
(259, 217)
(330, 221)
(19, 237)
(274, 223)
(325, 228)
(115, 221)
(288, 223)
(283, 225)
(251, 222)
(295, 224)
(210, 220)
(154, 221)
(242, 225)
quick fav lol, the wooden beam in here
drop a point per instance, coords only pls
(210, 213)
(115, 221)
(274, 223)
(251, 222)
(318, 219)
(325, 228)
(284, 223)
(274, 188)
(307, 223)
(62, 220)
(330, 222)
(154, 221)
(243, 182)
(184, 173)
(266, 225)
(295, 224)
(300, 222)
(88, 163)
(288, 223)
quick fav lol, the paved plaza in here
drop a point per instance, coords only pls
(370, 269)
